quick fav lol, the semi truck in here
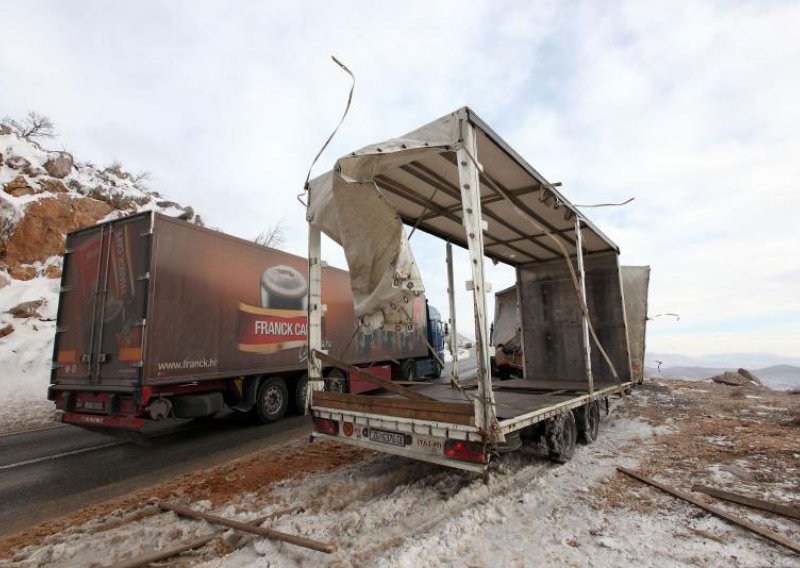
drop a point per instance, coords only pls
(159, 318)
(581, 338)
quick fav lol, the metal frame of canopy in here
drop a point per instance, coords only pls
(477, 192)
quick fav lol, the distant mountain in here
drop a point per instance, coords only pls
(780, 377)
(721, 360)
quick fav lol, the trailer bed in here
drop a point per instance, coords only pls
(513, 398)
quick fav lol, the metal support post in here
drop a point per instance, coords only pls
(315, 382)
(469, 185)
(587, 348)
(453, 332)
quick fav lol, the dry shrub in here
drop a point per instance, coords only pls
(737, 392)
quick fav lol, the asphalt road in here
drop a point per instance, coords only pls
(51, 472)
(48, 473)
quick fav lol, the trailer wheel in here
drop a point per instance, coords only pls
(561, 435)
(301, 394)
(409, 370)
(437, 370)
(272, 400)
(588, 419)
(335, 381)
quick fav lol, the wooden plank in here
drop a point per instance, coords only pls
(382, 401)
(396, 411)
(325, 547)
(744, 523)
(793, 512)
(195, 543)
(369, 377)
(530, 384)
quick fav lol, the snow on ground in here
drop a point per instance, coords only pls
(462, 354)
(388, 511)
(26, 353)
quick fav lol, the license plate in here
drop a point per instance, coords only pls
(92, 405)
(389, 438)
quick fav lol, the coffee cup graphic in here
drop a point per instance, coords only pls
(284, 288)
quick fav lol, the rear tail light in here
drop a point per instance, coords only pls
(347, 428)
(323, 426)
(467, 451)
(144, 395)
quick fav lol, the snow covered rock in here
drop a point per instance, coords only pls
(18, 187)
(27, 309)
(40, 233)
(736, 379)
(749, 376)
(59, 166)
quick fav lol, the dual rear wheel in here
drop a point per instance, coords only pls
(564, 431)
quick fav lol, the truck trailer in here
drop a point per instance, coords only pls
(160, 318)
(456, 179)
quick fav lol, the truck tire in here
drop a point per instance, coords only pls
(409, 370)
(561, 435)
(588, 420)
(437, 370)
(272, 400)
(335, 380)
(300, 394)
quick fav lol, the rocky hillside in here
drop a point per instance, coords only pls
(44, 195)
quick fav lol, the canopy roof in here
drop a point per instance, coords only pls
(364, 200)
(425, 193)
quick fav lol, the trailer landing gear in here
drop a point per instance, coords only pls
(561, 435)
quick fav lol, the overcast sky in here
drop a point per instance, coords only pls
(692, 108)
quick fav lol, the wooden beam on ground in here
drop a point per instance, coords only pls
(793, 512)
(369, 377)
(196, 542)
(325, 547)
(744, 523)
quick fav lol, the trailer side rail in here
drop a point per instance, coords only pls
(519, 422)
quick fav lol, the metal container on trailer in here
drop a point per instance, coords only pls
(150, 301)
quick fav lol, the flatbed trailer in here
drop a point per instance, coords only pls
(455, 178)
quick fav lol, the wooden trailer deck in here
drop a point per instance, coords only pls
(513, 398)
(442, 402)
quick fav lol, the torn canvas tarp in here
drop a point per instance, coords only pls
(347, 205)
(506, 331)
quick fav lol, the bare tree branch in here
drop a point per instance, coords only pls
(34, 125)
(274, 236)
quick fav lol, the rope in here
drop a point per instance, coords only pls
(607, 204)
(676, 316)
(453, 380)
(335, 130)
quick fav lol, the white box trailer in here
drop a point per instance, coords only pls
(455, 178)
